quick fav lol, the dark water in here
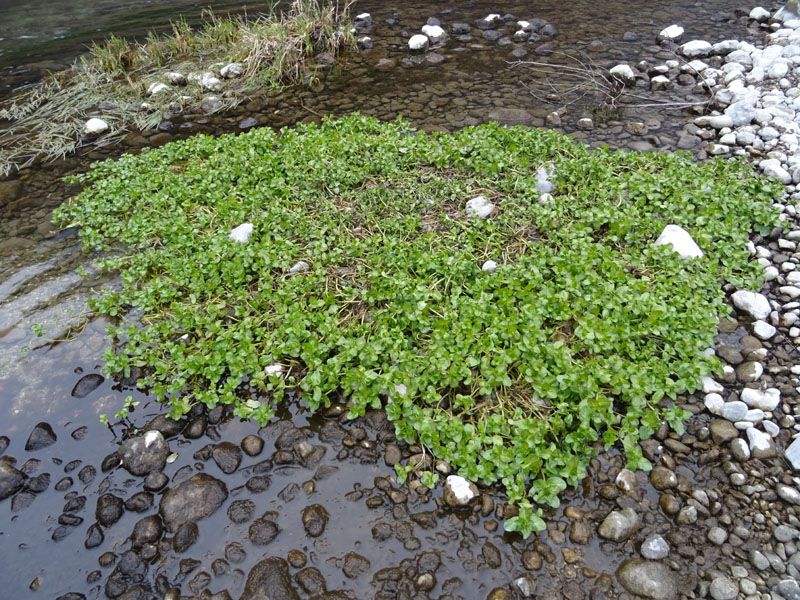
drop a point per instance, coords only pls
(38, 285)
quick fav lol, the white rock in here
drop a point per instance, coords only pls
(715, 121)
(241, 233)
(754, 415)
(232, 70)
(479, 207)
(760, 14)
(778, 70)
(752, 303)
(492, 18)
(543, 175)
(763, 330)
(734, 411)
(489, 266)
(695, 49)
(792, 454)
(273, 370)
(659, 82)
(759, 441)
(156, 88)
(655, 547)
(435, 33)
(95, 126)
(299, 266)
(714, 403)
(418, 42)
(742, 112)
(726, 47)
(718, 149)
(459, 488)
(772, 168)
(208, 81)
(151, 437)
(740, 449)
(680, 240)
(711, 385)
(787, 492)
(176, 78)
(671, 33)
(771, 428)
(624, 73)
(767, 400)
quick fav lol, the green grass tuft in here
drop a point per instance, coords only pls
(579, 339)
(46, 119)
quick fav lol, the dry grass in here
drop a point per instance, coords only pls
(45, 120)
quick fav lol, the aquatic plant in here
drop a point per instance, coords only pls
(583, 336)
(46, 119)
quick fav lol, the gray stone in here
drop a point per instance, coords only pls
(655, 547)
(196, 498)
(653, 580)
(42, 436)
(789, 589)
(787, 493)
(717, 535)
(784, 533)
(662, 478)
(144, 454)
(11, 480)
(722, 588)
(619, 525)
(270, 580)
(314, 519)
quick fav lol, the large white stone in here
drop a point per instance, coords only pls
(232, 70)
(793, 454)
(714, 403)
(759, 441)
(696, 49)
(479, 207)
(711, 385)
(752, 303)
(95, 126)
(680, 240)
(459, 489)
(763, 330)
(772, 168)
(208, 81)
(760, 14)
(176, 78)
(157, 88)
(734, 411)
(241, 233)
(435, 33)
(672, 33)
(742, 112)
(624, 73)
(418, 42)
(766, 400)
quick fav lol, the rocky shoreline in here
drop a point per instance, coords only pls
(307, 507)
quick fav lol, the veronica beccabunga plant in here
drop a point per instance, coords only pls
(583, 336)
